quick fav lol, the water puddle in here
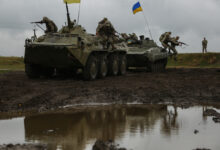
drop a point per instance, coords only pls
(153, 127)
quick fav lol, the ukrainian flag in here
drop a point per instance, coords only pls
(71, 1)
(137, 7)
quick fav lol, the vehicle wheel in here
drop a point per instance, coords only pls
(113, 65)
(90, 71)
(122, 65)
(103, 67)
(32, 71)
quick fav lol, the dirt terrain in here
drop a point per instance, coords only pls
(181, 86)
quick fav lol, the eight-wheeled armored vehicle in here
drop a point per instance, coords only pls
(146, 53)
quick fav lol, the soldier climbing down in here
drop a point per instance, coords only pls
(106, 32)
(165, 39)
(174, 42)
(171, 42)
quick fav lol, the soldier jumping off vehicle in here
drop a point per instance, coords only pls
(50, 25)
(106, 32)
(175, 42)
(204, 45)
(165, 39)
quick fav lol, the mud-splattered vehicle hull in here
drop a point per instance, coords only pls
(148, 55)
(65, 53)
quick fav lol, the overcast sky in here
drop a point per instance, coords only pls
(190, 19)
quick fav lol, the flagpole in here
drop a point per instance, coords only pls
(146, 21)
(79, 12)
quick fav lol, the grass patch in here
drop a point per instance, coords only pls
(208, 60)
(11, 63)
(198, 60)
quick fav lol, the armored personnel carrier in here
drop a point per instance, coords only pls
(70, 49)
(146, 53)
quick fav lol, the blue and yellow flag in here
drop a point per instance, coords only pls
(71, 1)
(137, 7)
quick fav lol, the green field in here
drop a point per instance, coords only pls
(11, 64)
(198, 60)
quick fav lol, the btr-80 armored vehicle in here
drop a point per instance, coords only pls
(146, 53)
(70, 49)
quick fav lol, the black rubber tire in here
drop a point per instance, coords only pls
(32, 71)
(90, 71)
(113, 65)
(103, 67)
(122, 64)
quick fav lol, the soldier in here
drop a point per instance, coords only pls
(106, 31)
(165, 39)
(204, 45)
(175, 42)
(134, 38)
(125, 36)
(50, 25)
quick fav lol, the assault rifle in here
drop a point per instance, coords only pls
(37, 23)
(182, 43)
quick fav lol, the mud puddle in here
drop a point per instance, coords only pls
(138, 127)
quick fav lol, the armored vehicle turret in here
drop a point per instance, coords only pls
(146, 53)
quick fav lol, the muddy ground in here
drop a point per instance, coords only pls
(181, 86)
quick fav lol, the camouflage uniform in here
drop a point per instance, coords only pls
(174, 42)
(165, 39)
(106, 31)
(125, 36)
(134, 37)
(204, 45)
(50, 25)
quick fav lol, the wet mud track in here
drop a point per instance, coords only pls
(180, 86)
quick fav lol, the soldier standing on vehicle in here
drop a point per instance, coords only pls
(106, 31)
(165, 39)
(204, 45)
(50, 25)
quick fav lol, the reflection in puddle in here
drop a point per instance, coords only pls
(12, 131)
(153, 127)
